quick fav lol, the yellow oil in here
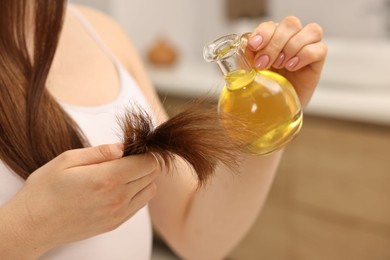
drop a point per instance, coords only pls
(267, 107)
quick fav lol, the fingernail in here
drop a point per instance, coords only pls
(262, 62)
(117, 149)
(121, 146)
(291, 64)
(279, 60)
(255, 42)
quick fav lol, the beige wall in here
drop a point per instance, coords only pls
(191, 23)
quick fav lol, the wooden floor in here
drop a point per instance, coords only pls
(330, 199)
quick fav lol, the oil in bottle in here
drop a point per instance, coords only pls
(264, 102)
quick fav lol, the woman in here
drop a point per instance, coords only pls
(61, 90)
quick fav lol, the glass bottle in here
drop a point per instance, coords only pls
(265, 102)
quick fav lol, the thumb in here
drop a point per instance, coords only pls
(91, 155)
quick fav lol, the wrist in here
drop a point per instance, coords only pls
(18, 238)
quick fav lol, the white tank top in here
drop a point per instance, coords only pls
(133, 239)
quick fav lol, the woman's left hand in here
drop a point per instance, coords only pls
(296, 52)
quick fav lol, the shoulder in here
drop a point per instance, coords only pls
(118, 41)
(111, 32)
(102, 22)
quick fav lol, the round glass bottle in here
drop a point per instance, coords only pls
(265, 102)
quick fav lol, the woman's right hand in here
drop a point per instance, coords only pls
(79, 194)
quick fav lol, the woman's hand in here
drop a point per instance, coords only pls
(298, 53)
(79, 194)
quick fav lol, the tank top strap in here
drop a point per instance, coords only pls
(92, 32)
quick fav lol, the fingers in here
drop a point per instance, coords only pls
(262, 35)
(275, 37)
(140, 200)
(143, 196)
(127, 169)
(283, 45)
(107, 159)
(134, 195)
(90, 155)
(104, 167)
(298, 45)
(127, 193)
(117, 193)
(309, 54)
(126, 199)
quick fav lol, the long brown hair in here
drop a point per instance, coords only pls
(33, 126)
(198, 134)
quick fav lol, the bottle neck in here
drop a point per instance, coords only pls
(236, 70)
(227, 52)
(234, 62)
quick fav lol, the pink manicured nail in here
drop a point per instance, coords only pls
(255, 42)
(279, 60)
(292, 63)
(262, 62)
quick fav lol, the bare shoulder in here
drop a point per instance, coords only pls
(118, 41)
(113, 35)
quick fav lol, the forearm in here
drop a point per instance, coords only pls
(219, 215)
(17, 241)
(224, 212)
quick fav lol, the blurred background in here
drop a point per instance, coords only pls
(331, 196)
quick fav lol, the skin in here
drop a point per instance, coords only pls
(181, 214)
